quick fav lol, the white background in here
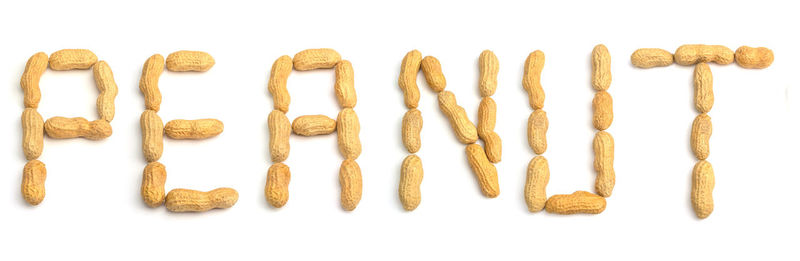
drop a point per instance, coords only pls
(93, 209)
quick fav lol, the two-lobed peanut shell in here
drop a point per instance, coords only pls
(344, 86)
(189, 61)
(603, 108)
(29, 82)
(754, 57)
(350, 181)
(579, 202)
(104, 79)
(407, 80)
(32, 134)
(148, 83)
(311, 125)
(410, 180)
(276, 190)
(310, 59)
(651, 57)
(154, 177)
(702, 189)
(69, 59)
(34, 175)
(603, 145)
(701, 134)
(488, 66)
(465, 131)
(531, 79)
(412, 126)
(484, 170)
(193, 129)
(537, 131)
(278, 76)
(68, 128)
(690, 54)
(347, 130)
(601, 68)
(152, 135)
(536, 183)
(703, 88)
(187, 200)
(279, 131)
(432, 70)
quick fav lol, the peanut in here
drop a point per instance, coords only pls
(603, 146)
(277, 189)
(408, 78)
(754, 58)
(154, 177)
(603, 110)
(152, 135)
(536, 184)
(537, 131)
(277, 83)
(484, 171)
(279, 130)
(347, 130)
(67, 128)
(531, 79)
(487, 116)
(104, 79)
(310, 125)
(350, 180)
(33, 176)
(494, 146)
(601, 68)
(185, 61)
(410, 179)
(464, 129)
(412, 126)
(344, 87)
(148, 83)
(311, 59)
(432, 70)
(575, 203)
(702, 189)
(703, 88)
(489, 67)
(193, 129)
(651, 57)
(690, 54)
(32, 134)
(701, 133)
(187, 200)
(34, 69)
(68, 59)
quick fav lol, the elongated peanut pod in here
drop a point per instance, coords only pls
(410, 179)
(33, 176)
(489, 67)
(347, 130)
(104, 79)
(187, 200)
(579, 202)
(311, 59)
(699, 53)
(701, 133)
(152, 135)
(603, 108)
(154, 177)
(754, 58)
(465, 131)
(407, 81)
(651, 57)
(69, 59)
(703, 88)
(487, 116)
(601, 68)
(311, 125)
(531, 79)
(344, 87)
(34, 69)
(484, 171)
(412, 126)
(193, 129)
(537, 131)
(32, 134)
(350, 181)
(493, 146)
(536, 183)
(185, 61)
(603, 145)
(277, 83)
(279, 131)
(148, 83)
(67, 128)
(432, 70)
(702, 189)
(277, 189)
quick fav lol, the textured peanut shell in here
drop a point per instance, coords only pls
(277, 189)
(603, 146)
(412, 126)
(531, 79)
(32, 134)
(410, 179)
(69, 59)
(279, 131)
(311, 125)
(432, 70)
(67, 128)
(651, 57)
(347, 130)
(154, 177)
(603, 108)
(311, 59)
(537, 131)
(488, 66)
(407, 81)
(187, 200)
(493, 146)
(29, 82)
(579, 202)
(465, 131)
(350, 181)
(344, 86)
(702, 189)
(701, 133)
(754, 57)
(186, 61)
(104, 79)
(703, 88)
(148, 83)
(536, 183)
(278, 76)
(487, 116)
(601, 68)
(484, 170)
(699, 53)
(34, 175)
(193, 129)
(152, 135)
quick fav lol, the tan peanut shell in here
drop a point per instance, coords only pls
(603, 108)
(408, 78)
(702, 189)
(154, 177)
(410, 179)
(278, 76)
(277, 189)
(487, 116)
(537, 131)
(279, 131)
(32, 134)
(531, 79)
(412, 126)
(484, 170)
(601, 68)
(603, 146)
(34, 69)
(489, 67)
(69, 59)
(536, 183)
(579, 202)
(186, 61)
(344, 86)
(152, 135)
(34, 175)
(493, 146)
(701, 133)
(193, 129)
(67, 128)
(651, 57)
(148, 83)
(311, 59)
(703, 88)
(104, 79)
(310, 125)
(432, 70)
(754, 57)
(350, 181)
(699, 53)
(465, 131)
(187, 200)
(347, 130)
